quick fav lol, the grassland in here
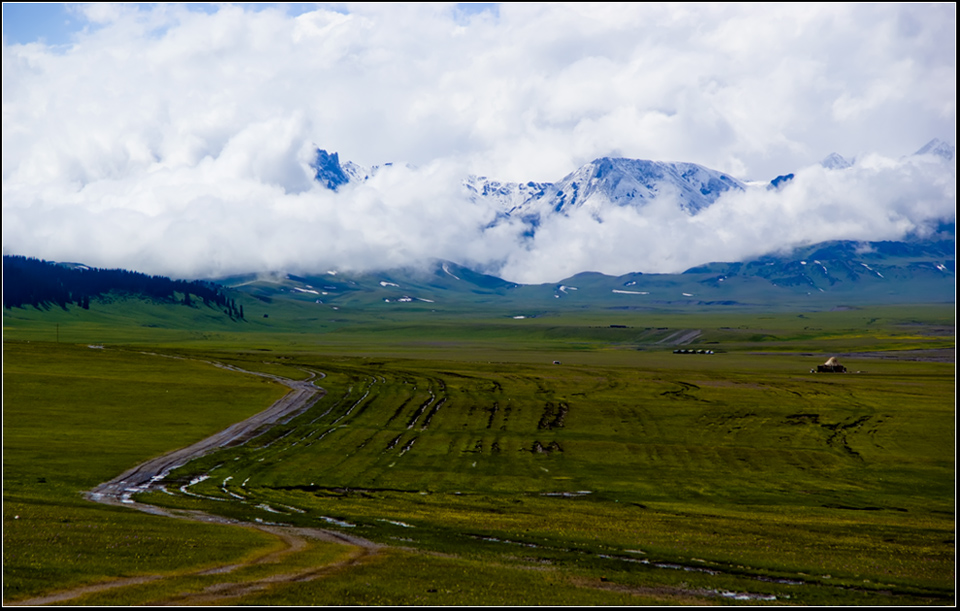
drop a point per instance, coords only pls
(74, 416)
(626, 474)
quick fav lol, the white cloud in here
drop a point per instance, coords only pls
(879, 197)
(176, 141)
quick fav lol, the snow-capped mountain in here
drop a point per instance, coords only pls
(616, 181)
(780, 181)
(935, 148)
(835, 161)
(606, 181)
(330, 173)
(938, 148)
(506, 197)
(632, 182)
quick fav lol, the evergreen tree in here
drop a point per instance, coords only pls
(38, 283)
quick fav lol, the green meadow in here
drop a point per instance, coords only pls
(567, 457)
(75, 416)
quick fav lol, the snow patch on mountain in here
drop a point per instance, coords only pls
(606, 182)
(624, 181)
(938, 148)
(615, 210)
(328, 171)
(506, 197)
(835, 161)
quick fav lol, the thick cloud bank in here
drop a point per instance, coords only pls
(178, 142)
(876, 199)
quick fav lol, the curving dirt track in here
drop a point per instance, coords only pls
(141, 478)
(295, 540)
(119, 490)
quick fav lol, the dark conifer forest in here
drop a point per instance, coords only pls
(43, 284)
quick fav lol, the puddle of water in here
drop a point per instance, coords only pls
(337, 522)
(197, 480)
(578, 493)
(746, 596)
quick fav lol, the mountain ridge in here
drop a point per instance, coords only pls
(614, 181)
(920, 269)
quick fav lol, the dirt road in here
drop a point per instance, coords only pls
(149, 475)
(145, 476)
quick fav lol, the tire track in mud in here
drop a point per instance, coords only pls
(433, 411)
(420, 410)
(553, 416)
(148, 475)
(840, 433)
(685, 392)
(145, 476)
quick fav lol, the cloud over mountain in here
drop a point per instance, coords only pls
(177, 141)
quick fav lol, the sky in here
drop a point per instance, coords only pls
(176, 139)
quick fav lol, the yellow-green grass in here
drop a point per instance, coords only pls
(75, 416)
(740, 462)
(752, 466)
(181, 589)
(404, 577)
(294, 326)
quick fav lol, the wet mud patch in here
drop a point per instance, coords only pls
(493, 412)
(539, 448)
(476, 449)
(553, 416)
(685, 392)
(867, 508)
(406, 448)
(393, 443)
(399, 411)
(840, 433)
(423, 406)
(432, 413)
(803, 419)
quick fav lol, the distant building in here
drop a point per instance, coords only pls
(831, 366)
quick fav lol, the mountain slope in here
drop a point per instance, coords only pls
(615, 181)
(609, 181)
(835, 161)
(819, 275)
(938, 148)
(41, 284)
(603, 183)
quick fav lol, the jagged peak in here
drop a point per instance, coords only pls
(780, 181)
(328, 170)
(938, 148)
(331, 173)
(836, 161)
